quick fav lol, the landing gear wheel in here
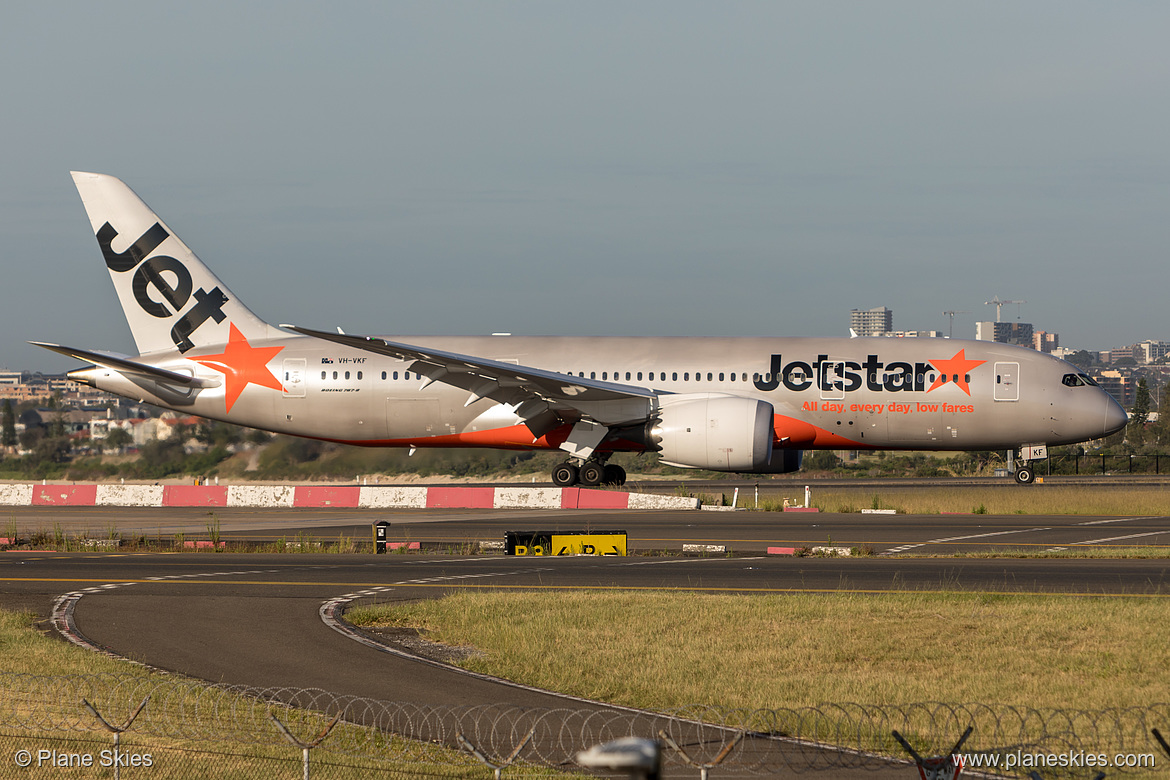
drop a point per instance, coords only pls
(591, 473)
(564, 475)
(614, 475)
(1025, 475)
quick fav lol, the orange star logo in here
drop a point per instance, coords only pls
(957, 369)
(242, 365)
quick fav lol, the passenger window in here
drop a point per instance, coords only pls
(745, 376)
(640, 376)
(720, 376)
(592, 374)
(603, 374)
(347, 375)
(359, 375)
(322, 374)
(334, 374)
(709, 376)
(383, 374)
(628, 376)
(674, 376)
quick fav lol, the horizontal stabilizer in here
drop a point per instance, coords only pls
(124, 365)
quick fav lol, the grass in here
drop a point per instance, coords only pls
(664, 650)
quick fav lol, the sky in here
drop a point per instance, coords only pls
(598, 168)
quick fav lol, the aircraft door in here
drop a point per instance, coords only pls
(294, 377)
(832, 380)
(1007, 382)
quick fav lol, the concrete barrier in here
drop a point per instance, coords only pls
(347, 496)
(461, 498)
(129, 495)
(325, 496)
(650, 501)
(583, 498)
(267, 496)
(194, 495)
(527, 498)
(392, 498)
(64, 495)
(16, 495)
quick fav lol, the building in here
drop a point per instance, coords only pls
(871, 322)
(1019, 333)
(1043, 341)
(1118, 383)
(1144, 352)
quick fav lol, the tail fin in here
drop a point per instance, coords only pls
(171, 300)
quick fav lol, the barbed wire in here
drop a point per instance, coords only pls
(751, 742)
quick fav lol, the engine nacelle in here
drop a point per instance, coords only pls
(715, 432)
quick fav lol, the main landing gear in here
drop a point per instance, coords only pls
(589, 473)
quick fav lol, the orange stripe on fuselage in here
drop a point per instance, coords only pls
(793, 433)
(788, 432)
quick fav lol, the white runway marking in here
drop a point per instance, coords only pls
(905, 547)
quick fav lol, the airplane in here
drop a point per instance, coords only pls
(744, 405)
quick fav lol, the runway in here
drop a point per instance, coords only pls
(255, 619)
(738, 532)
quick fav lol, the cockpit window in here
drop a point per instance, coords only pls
(1078, 380)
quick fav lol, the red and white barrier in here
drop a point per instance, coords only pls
(345, 496)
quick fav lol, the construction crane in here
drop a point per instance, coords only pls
(952, 314)
(998, 304)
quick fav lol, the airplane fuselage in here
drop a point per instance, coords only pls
(827, 393)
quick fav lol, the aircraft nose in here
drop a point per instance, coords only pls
(1115, 416)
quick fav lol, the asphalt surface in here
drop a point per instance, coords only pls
(254, 619)
(741, 532)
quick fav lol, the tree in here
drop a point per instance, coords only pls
(117, 438)
(8, 425)
(1082, 358)
(1140, 413)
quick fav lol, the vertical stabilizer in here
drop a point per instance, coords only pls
(171, 300)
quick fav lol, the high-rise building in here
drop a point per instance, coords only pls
(871, 322)
(1005, 332)
(1043, 341)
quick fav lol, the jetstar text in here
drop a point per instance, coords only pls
(175, 291)
(844, 375)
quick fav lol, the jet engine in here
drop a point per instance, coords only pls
(715, 432)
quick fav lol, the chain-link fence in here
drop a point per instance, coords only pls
(185, 729)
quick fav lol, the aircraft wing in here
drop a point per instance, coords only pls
(534, 390)
(124, 365)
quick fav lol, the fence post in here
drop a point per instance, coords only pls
(936, 766)
(704, 769)
(305, 746)
(498, 769)
(116, 730)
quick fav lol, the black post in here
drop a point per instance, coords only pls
(381, 529)
(1102, 462)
